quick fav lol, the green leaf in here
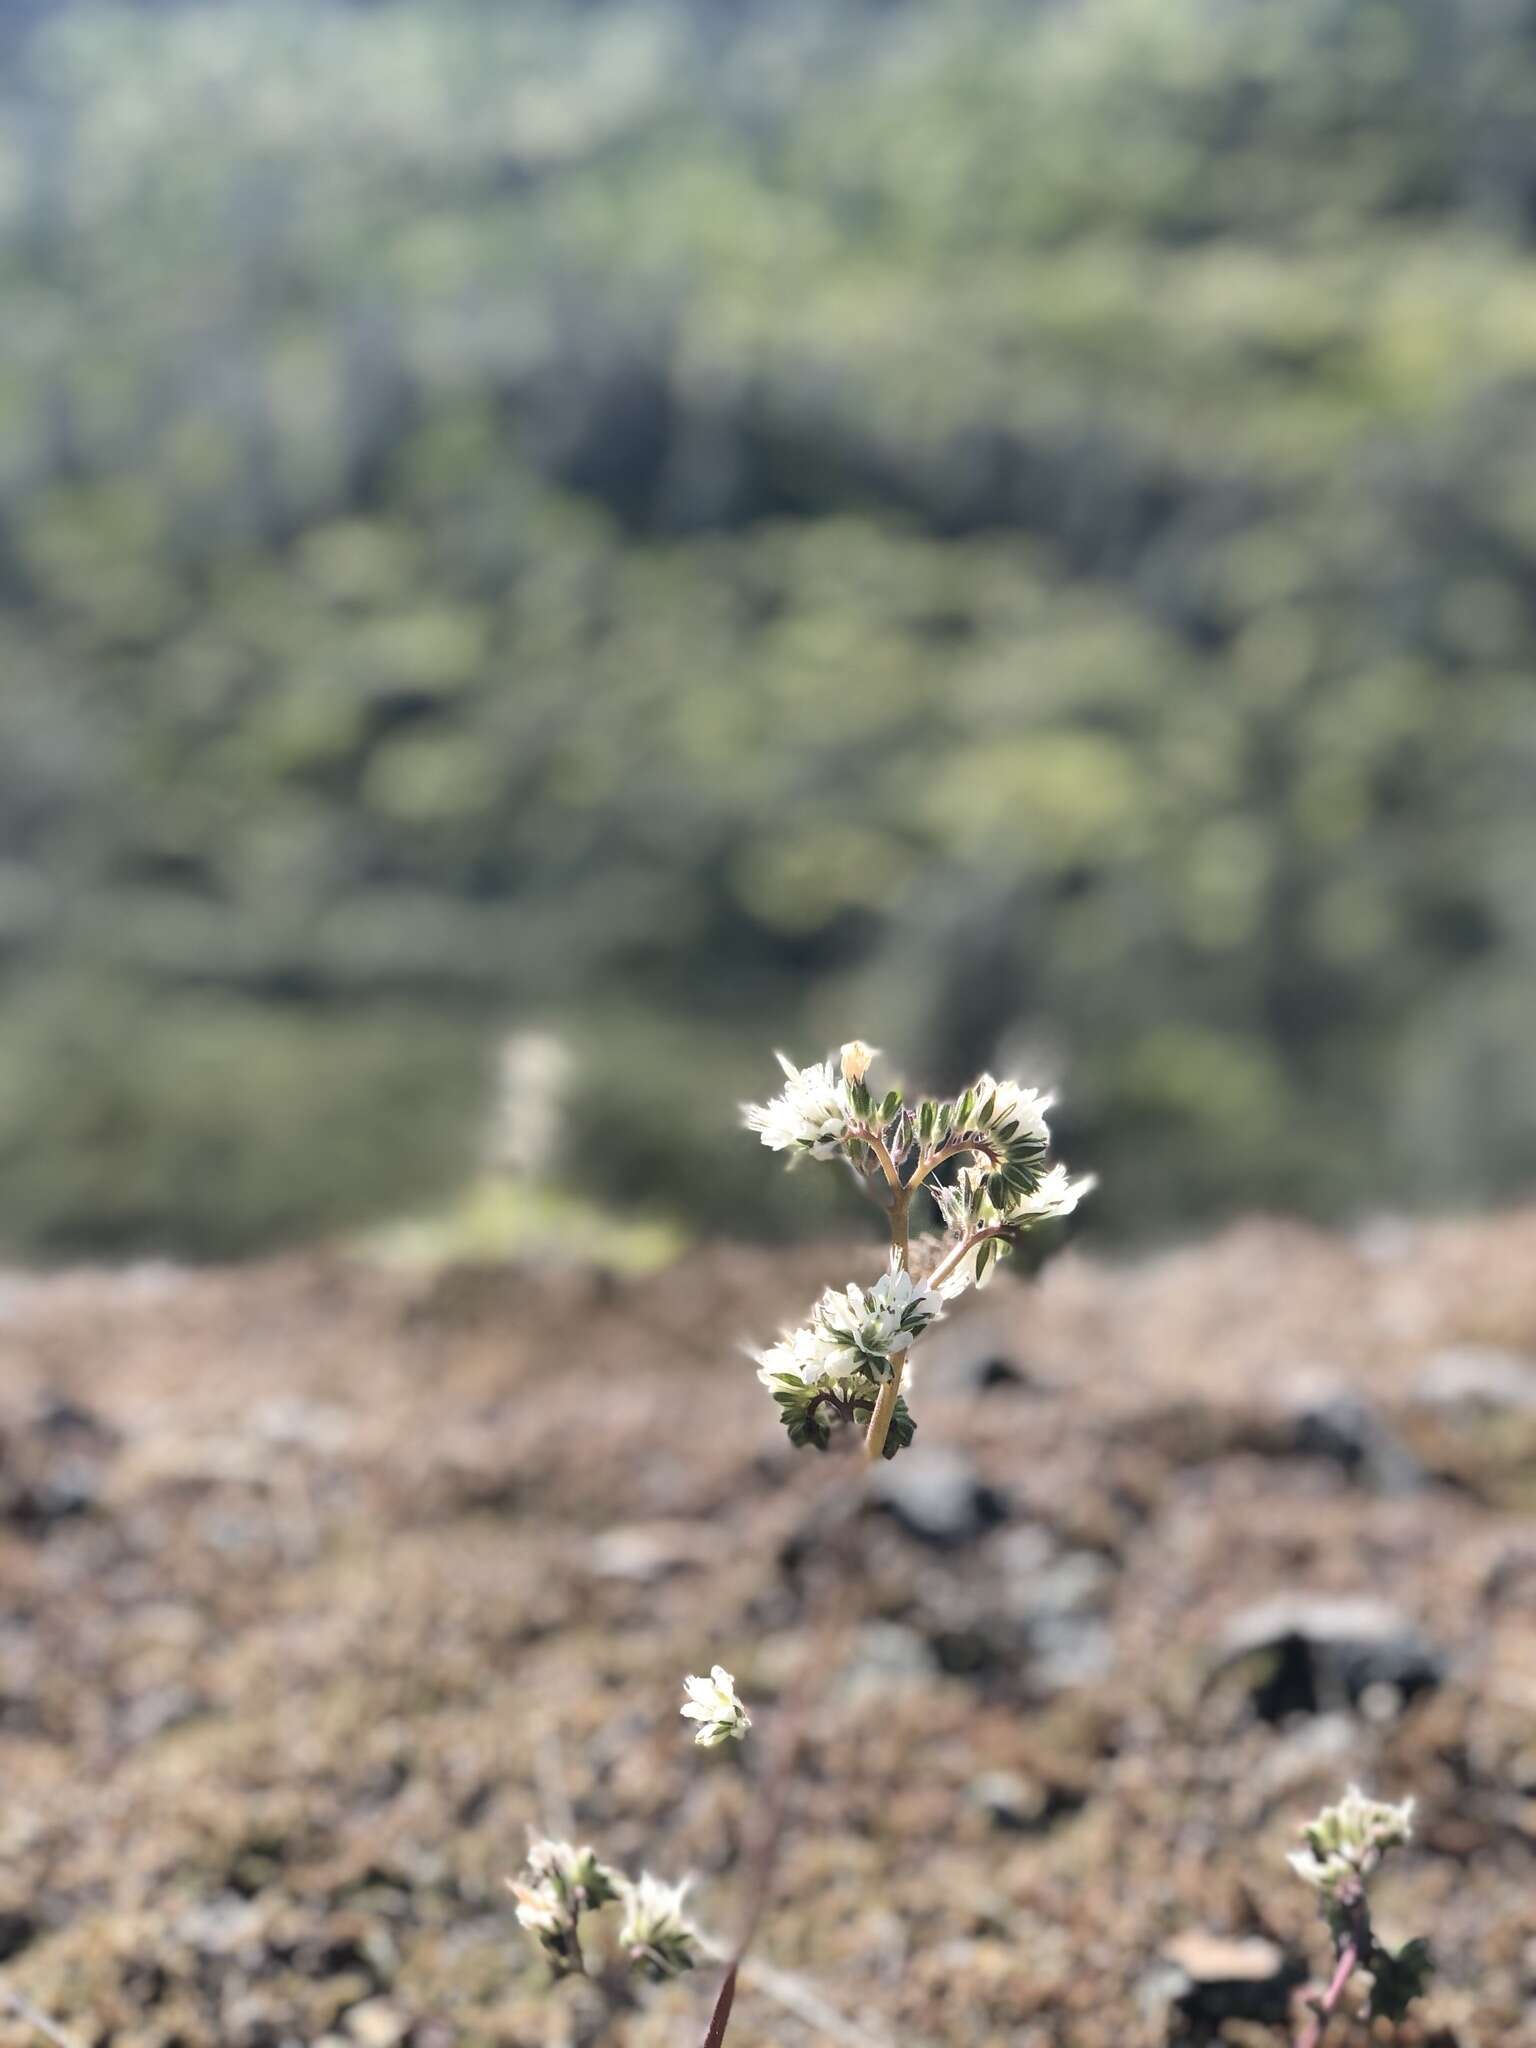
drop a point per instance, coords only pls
(1398, 1979)
(901, 1431)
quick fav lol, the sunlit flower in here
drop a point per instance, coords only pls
(812, 1114)
(656, 1937)
(1055, 1196)
(1011, 1104)
(713, 1703)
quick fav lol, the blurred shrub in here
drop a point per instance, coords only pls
(713, 525)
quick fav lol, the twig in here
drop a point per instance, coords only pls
(35, 2017)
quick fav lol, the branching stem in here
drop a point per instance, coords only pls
(947, 1265)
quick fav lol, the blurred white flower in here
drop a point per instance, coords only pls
(564, 1883)
(713, 1703)
(655, 1936)
(1055, 1196)
(807, 1354)
(540, 1910)
(812, 1115)
(1347, 1840)
(534, 1072)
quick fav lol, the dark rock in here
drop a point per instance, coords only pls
(647, 1552)
(1210, 1978)
(937, 1497)
(59, 1417)
(1311, 1653)
(995, 1370)
(1021, 1805)
(17, 1931)
(1329, 1420)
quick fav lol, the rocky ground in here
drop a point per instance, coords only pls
(320, 1583)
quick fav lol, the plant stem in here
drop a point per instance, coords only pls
(926, 1166)
(885, 1405)
(947, 1265)
(877, 1145)
(1325, 2007)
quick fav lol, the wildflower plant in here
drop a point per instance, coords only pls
(981, 1158)
(982, 1161)
(1345, 1844)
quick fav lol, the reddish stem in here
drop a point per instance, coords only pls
(1326, 2006)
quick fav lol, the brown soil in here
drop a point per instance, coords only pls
(319, 1584)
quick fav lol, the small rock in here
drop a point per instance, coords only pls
(160, 1709)
(1313, 1652)
(1329, 1420)
(937, 1497)
(377, 2024)
(647, 1552)
(886, 1655)
(1477, 1379)
(60, 1417)
(1018, 1804)
(1068, 1651)
(1211, 1978)
(996, 1370)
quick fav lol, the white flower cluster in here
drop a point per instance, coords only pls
(814, 1114)
(656, 1937)
(713, 1703)
(854, 1331)
(560, 1884)
(1347, 1841)
(981, 1157)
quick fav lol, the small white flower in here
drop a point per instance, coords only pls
(1347, 1840)
(713, 1703)
(812, 1115)
(1055, 1196)
(807, 1354)
(878, 1321)
(655, 1935)
(856, 1058)
(1012, 1104)
(540, 1911)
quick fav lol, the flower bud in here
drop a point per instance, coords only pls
(856, 1060)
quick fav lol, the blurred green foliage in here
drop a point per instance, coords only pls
(1009, 528)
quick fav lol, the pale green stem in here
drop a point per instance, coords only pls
(885, 1403)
